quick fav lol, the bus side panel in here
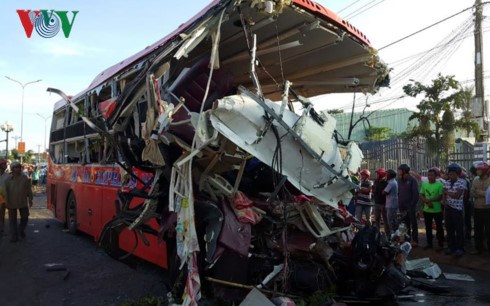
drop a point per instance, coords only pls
(108, 210)
(62, 189)
(89, 210)
(155, 252)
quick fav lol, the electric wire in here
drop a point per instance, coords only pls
(359, 9)
(428, 27)
(348, 6)
(427, 61)
(367, 9)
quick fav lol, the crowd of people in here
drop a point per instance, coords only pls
(453, 202)
(17, 184)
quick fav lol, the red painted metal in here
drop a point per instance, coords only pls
(330, 16)
(95, 189)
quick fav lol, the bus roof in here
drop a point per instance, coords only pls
(307, 5)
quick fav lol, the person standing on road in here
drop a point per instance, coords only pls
(380, 200)
(3, 178)
(454, 190)
(408, 198)
(363, 196)
(431, 193)
(482, 211)
(18, 192)
(43, 174)
(35, 178)
(391, 193)
(468, 205)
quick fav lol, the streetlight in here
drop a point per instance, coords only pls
(22, 104)
(45, 122)
(7, 128)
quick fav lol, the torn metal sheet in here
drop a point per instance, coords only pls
(241, 119)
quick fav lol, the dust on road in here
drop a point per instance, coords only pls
(94, 277)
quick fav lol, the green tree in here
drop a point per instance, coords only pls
(466, 121)
(442, 99)
(379, 133)
(28, 156)
(14, 155)
(335, 111)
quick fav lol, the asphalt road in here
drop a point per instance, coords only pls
(94, 278)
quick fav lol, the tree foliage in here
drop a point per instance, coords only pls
(442, 99)
(335, 111)
(14, 155)
(379, 133)
(466, 122)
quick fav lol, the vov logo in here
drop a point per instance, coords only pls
(46, 22)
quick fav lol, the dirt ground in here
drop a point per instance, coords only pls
(94, 278)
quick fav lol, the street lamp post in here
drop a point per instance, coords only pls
(45, 125)
(23, 85)
(7, 128)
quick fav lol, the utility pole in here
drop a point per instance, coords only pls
(16, 138)
(481, 105)
(38, 154)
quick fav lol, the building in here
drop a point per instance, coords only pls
(394, 119)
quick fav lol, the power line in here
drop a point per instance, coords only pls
(359, 9)
(427, 27)
(348, 6)
(429, 60)
(367, 9)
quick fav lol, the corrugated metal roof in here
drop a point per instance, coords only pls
(395, 119)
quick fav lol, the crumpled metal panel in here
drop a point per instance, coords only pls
(241, 119)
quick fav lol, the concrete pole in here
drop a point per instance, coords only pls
(479, 78)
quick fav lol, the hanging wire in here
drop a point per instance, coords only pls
(348, 6)
(428, 61)
(358, 9)
(367, 9)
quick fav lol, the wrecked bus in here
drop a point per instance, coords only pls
(203, 153)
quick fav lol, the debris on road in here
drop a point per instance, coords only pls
(55, 267)
(424, 265)
(460, 277)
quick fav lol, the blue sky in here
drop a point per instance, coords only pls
(106, 32)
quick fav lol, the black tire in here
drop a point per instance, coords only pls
(71, 214)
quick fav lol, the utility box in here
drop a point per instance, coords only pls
(481, 151)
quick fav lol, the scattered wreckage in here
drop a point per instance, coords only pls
(247, 176)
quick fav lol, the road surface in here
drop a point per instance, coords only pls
(94, 277)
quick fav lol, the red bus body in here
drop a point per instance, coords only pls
(95, 190)
(95, 186)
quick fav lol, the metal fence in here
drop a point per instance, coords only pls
(391, 153)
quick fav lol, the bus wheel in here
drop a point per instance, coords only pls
(71, 214)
